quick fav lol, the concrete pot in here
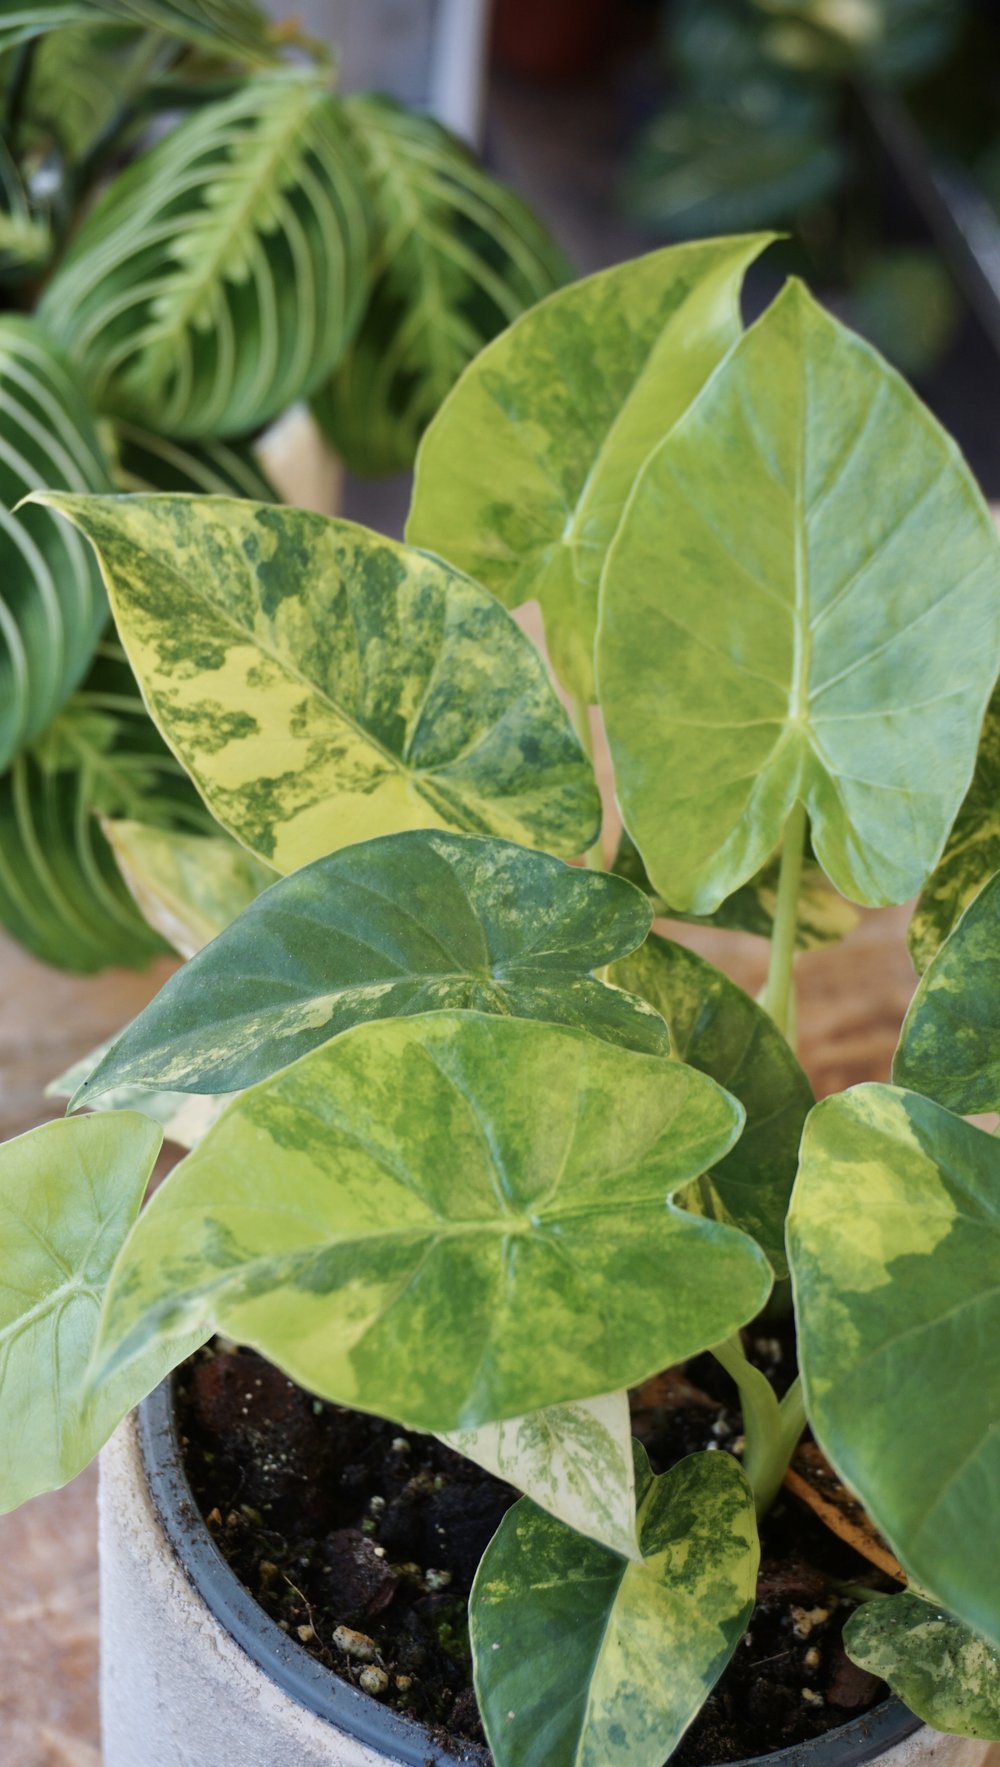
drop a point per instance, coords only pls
(195, 1674)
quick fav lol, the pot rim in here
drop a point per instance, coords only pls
(346, 1707)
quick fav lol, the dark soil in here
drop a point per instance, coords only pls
(361, 1540)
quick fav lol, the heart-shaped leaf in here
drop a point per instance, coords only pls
(412, 923)
(61, 893)
(524, 473)
(716, 1028)
(972, 852)
(949, 1047)
(69, 1192)
(894, 1245)
(323, 685)
(190, 887)
(52, 605)
(457, 257)
(404, 1216)
(583, 1659)
(574, 1461)
(823, 916)
(946, 1674)
(774, 631)
(221, 276)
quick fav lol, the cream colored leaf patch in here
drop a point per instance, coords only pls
(188, 886)
(184, 1117)
(574, 1461)
(945, 1673)
(323, 685)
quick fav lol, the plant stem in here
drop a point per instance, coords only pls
(579, 712)
(772, 1428)
(778, 996)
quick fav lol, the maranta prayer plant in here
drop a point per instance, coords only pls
(196, 232)
(470, 1146)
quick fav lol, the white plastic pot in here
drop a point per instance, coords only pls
(195, 1674)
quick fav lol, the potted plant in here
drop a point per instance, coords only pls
(499, 1154)
(196, 233)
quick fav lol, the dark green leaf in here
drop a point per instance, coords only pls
(949, 1047)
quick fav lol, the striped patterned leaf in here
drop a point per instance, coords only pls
(221, 276)
(585, 1659)
(184, 1117)
(324, 685)
(52, 605)
(458, 258)
(61, 893)
(149, 462)
(234, 27)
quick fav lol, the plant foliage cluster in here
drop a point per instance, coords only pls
(196, 231)
(470, 1145)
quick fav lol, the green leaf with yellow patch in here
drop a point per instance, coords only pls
(949, 1046)
(411, 923)
(894, 1246)
(583, 1659)
(772, 633)
(323, 685)
(574, 1461)
(523, 475)
(972, 850)
(404, 1216)
(718, 1029)
(945, 1673)
(184, 1117)
(69, 1192)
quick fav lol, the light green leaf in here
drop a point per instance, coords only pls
(184, 1117)
(52, 606)
(188, 886)
(457, 257)
(972, 851)
(949, 1047)
(221, 276)
(323, 685)
(61, 893)
(150, 462)
(894, 1245)
(404, 1216)
(69, 1192)
(524, 473)
(945, 1673)
(585, 1660)
(772, 631)
(574, 1461)
(716, 1028)
(412, 923)
(235, 27)
(823, 916)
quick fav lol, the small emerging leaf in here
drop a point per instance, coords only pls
(323, 685)
(412, 923)
(715, 1027)
(524, 473)
(69, 1192)
(583, 1659)
(894, 1246)
(574, 1461)
(783, 622)
(945, 1673)
(949, 1047)
(404, 1216)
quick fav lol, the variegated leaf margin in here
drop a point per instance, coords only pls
(404, 1216)
(323, 685)
(583, 1659)
(946, 1674)
(574, 1461)
(524, 473)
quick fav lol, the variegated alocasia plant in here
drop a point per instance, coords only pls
(470, 1145)
(196, 232)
